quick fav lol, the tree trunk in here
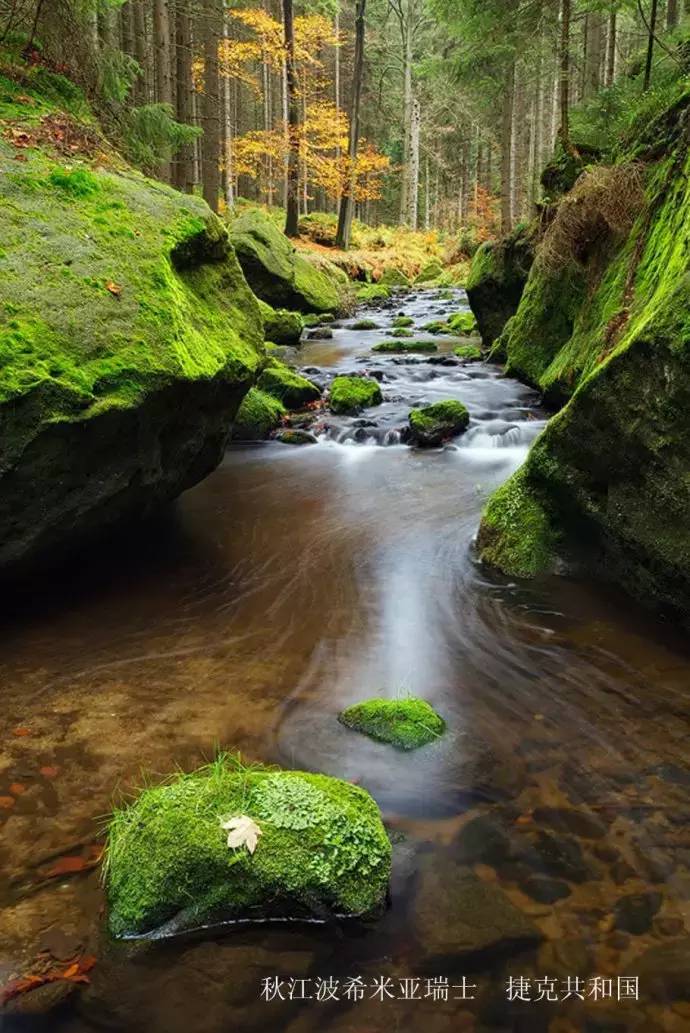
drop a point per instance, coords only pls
(293, 120)
(672, 14)
(594, 44)
(161, 35)
(507, 149)
(407, 120)
(650, 44)
(336, 86)
(210, 106)
(142, 54)
(183, 166)
(565, 75)
(413, 178)
(127, 23)
(342, 239)
(611, 50)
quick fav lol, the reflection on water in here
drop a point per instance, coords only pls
(291, 583)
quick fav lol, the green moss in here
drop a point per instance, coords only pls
(468, 352)
(435, 423)
(394, 277)
(403, 321)
(281, 326)
(293, 390)
(463, 323)
(278, 273)
(406, 723)
(405, 347)
(350, 394)
(75, 182)
(365, 324)
(401, 332)
(516, 534)
(436, 326)
(257, 416)
(322, 850)
(497, 279)
(372, 292)
(431, 271)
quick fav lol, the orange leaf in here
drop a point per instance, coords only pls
(49, 771)
(17, 788)
(20, 986)
(6, 802)
(71, 971)
(21, 731)
(114, 288)
(67, 866)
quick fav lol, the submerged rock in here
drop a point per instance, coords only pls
(350, 394)
(320, 851)
(462, 917)
(406, 723)
(634, 912)
(434, 424)
(128, 338)
(278, 273)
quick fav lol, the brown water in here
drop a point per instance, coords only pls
(289, 584)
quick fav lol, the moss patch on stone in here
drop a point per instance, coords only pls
(289, 387)
(468, 352)
(372, 292)
(403, 321)
(405, 346)
(323, 850)
(258, 415)
(497, 278)
(394, 277)
(516, 533)
(434, 424)
(351, 394)
(365, 324)
(280, 325)
(463, 323)
(432, 271)
(406, 723)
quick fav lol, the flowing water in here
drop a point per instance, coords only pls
(545, 836)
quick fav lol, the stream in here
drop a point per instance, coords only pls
(547, 834)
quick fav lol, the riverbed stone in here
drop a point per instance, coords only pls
(635, 911)
(569, 819)
(559, 856)
(482, 840)
(664, 971)
(544, 889)
(460, 916)
(406, 723)
(350, 394)
(434, 424)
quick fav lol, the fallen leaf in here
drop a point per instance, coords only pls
(73, 864)
(242, 831)
(7, 802)
(114, 288)
(17, 788)
(20, 157)
(49, 771)
(20, 732)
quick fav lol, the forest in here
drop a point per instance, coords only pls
(345, 516)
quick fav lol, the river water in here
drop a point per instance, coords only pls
(545, 836)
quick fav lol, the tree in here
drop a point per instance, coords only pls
(650, 43)
(212, 28)
(564, 82)
(347, 201)
(294, 125)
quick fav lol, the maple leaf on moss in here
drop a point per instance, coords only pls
(242, 831)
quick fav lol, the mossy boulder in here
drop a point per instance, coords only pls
(430, 272)
(498, 275)
(436, 326)
(468, 352)
(369, 292)
(606, 485)
(401, 332)
(281, 326)
(289, 387)
(258, 415)
(296, 437)
(434, 424)
(365, 324)
(403, 321)
(394, 277)
(128, 338)
(405, 347)
(278, 273)
(463, 323)
(351, 394)
(321, 851)
(405, 723)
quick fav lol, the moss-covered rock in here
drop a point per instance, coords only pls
(394, 277)
(434, 424)
(607, 483)
(281, 326)
(401, 332)
(365, 324)
(258, 415)
(278, 273)
(369, 292)
(405, 723)
(289, 387)
(403, 321)
(350, 394)
(498, 275)
(405, 347)
(432, 271)
(321, 850)
(468, 352)
(463, 323)
(296, 437)
(436, 326)
(128, 338)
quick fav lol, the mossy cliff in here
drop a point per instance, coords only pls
(128, 336)
(320, 851)
(497, 279)
(609, 479)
